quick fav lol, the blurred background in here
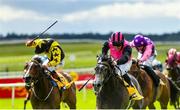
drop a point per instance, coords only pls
(83, 26)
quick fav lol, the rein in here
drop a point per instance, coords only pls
(107, 77)
(35, 81)
(45, 97)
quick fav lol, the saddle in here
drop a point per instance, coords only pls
(64, 81)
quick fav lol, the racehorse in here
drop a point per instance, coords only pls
(44, 95)
(162, 93)
(173, 70)
(109, 87)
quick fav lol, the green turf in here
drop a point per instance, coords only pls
(14, 56)
(84, 101)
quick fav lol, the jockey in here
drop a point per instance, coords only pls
(54, 55)
(121, 53)
(176, 56)
(146, 54)
(171, 54)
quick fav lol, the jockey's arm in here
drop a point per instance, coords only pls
(55, 56)
(105, 48)
(132, 43)
(126, 55)
(147, 53)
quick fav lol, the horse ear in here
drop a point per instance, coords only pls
(97, 57)
(137, 64)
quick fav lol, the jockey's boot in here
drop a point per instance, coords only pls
(133, 92)
(156, 79)
(55, 75)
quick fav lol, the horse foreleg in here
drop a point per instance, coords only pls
(151, 106)
(70, 97)
(163, 105)
(71, 103)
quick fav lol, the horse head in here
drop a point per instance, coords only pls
(33, 70)
(135, 68)
(103, 71)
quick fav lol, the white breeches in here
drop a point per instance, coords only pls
(124, 68)
(149, 61)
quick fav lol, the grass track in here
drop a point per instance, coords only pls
(13, 57)
(83, 102)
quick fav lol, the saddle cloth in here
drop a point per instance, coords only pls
(63, 82)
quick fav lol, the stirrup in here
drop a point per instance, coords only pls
(63, 88)
(136, 97)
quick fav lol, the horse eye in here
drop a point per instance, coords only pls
(95, 68)
(104, 68)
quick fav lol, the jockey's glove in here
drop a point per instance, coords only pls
(140, 62)
(114, 63)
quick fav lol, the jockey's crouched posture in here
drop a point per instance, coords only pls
(121, 52)
(54, 55)
(146, 55)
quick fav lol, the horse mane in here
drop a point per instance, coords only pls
(38, 59)
(105, 58)
(139, 72)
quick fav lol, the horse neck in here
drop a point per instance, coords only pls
(111, 84)
(43, 86)
(174, 73)
(140, 74)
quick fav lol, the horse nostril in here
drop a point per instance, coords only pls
(98, 85)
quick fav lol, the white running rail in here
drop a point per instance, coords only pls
(14, 85)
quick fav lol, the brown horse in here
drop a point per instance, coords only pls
(109, 87)
(162, 93)
(44, 93)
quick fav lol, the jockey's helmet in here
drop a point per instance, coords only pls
(172, 51)
(139, 40)
(117, 39)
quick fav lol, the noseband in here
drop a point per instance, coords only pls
(98, 87)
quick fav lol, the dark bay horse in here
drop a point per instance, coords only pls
(110, 90)
(43, 94)
(162, 93)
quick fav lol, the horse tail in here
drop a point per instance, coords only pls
(174, 93)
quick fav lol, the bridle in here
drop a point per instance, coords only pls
(99, 86)
(35, 80)
(110, 71)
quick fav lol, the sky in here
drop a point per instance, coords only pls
(84, 16)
